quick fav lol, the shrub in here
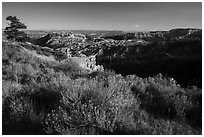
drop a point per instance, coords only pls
(193, 111)
(45, 99)
(155, 103)
(18, 116)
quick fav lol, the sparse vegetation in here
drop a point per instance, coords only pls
(39, 98)
(45, 93)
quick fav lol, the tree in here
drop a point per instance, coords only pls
(12, 31)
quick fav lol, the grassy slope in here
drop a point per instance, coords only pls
(44, 97)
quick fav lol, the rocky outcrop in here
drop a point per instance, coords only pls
(88, 63)
(57, 40)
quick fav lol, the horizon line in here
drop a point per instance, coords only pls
(108, 30)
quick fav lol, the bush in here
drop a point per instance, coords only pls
(85, 106)
(155, 103)
(193, 112)
(18, 116)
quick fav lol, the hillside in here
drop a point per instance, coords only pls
(63, 83)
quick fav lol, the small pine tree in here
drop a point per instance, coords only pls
(12, 31)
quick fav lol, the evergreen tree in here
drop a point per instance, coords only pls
(12, 31)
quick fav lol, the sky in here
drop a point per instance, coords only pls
(126, 16)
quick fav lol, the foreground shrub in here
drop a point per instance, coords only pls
(18, 116)
(86, 106)
(193, 112)
(24, 111)
(155, 103)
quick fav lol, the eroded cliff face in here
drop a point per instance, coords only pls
(79, 45)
